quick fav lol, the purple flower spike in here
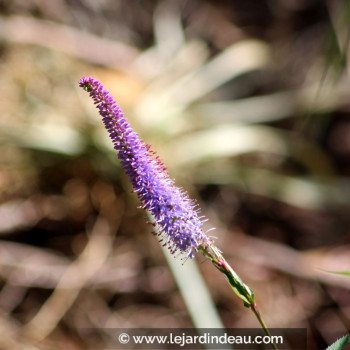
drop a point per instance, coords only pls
(176, 216)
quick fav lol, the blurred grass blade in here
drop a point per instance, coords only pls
(342, 273)
(49, 137)
(194, 292)
(228, 140)
(308, 193)
(168, 30)
(237, 59)
(248, 110)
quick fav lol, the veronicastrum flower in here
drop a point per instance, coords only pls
(175, 214)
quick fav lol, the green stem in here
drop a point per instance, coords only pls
(263, 324)
(241, 289)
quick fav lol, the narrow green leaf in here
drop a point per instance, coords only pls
(340, 343)
(343, 273)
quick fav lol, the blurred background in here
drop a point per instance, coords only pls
(246, 102)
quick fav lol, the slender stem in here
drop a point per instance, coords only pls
(241, 289)
(263, 324)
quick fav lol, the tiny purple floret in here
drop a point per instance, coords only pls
(175, 215)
